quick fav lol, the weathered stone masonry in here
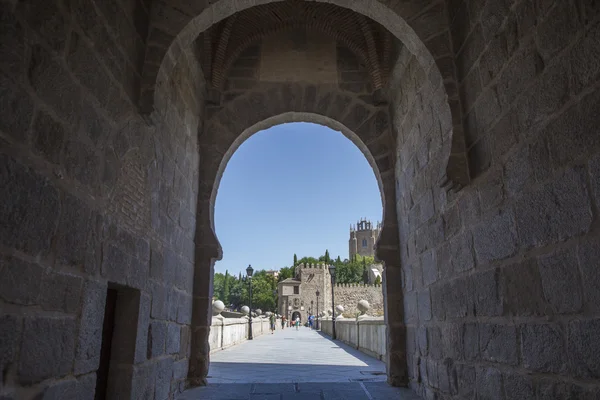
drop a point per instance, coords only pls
(479, 118)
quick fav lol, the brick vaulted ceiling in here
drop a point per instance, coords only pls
(223, 43)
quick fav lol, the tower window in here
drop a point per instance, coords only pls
(296, 289)
(364, 243)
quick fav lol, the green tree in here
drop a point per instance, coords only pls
(327, 259)
(285, 273)
(308, 260)
(226, 289)
(365, 273)
(378, 280)
(218, 285)
(295, 259)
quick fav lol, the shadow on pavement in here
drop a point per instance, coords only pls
(299, 391)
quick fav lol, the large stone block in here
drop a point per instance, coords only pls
(561, 280)
(573, 135)
(458, 298)
(557, 211)
(82, 388)
(12, 45)
(429, 267)
(115, 264)
(143, 381)
(48, 21)
(159, 301)
(89, 342)
(11, 328)
(173, 338)
(164, 371)
(424, 305)
(543, 348)
(28, 205)
(84, 64)
(48, 348)
(157, 337)
(584, 348)
(470, 341)
(73, 226)
(584, 58)
(82, 163)
(461, 252)
(487, 300)
(61, 292)
(143, 324)
(17, 103)
(466, 376)
(557, 29)
(589, 259)
(21, 281)
(489, 383)
(495, 238)
(54, 85)
(498, 343)
(518, 387)
(521, 290)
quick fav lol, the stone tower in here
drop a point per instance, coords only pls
(363, 236)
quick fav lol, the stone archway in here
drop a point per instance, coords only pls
(296, 314)
(423, 33)
(365, 124)
(416, 140)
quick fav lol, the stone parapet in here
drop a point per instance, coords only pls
(366, 334)
(227, 332)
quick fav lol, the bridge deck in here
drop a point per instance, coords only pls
(293, 364)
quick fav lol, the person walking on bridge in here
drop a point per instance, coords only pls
(272, 321)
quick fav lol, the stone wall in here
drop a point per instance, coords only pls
(500, 278)
(227, 332)
(348, 295)
(92, 199)
(367, 334)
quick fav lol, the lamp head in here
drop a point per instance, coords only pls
(318, 293)
(249, 271)
(332, 270)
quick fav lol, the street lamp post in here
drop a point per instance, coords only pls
(317, 326)
(332, 273)
(249, 272)
(276, 306)
(312, 304)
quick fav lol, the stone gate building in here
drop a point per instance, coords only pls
(297, 296)
(480, 120)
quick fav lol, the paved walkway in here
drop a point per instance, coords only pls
(292, 364)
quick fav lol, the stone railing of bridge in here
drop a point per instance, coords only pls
(366, 334)
(227, 332)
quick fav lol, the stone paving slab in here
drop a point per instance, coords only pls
(316, 391)
(293, 356)
(295, 365)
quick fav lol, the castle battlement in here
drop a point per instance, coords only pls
(356, 285)
(312, 266)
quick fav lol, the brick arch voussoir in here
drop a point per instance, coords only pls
(254, 111)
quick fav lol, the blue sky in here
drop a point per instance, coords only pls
(292, 188)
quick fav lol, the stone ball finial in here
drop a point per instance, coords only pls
(363, 306)
(268, 313)
(339, 309)
(217, 307)
(246, 310)
(258, 311)
(329, 311)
